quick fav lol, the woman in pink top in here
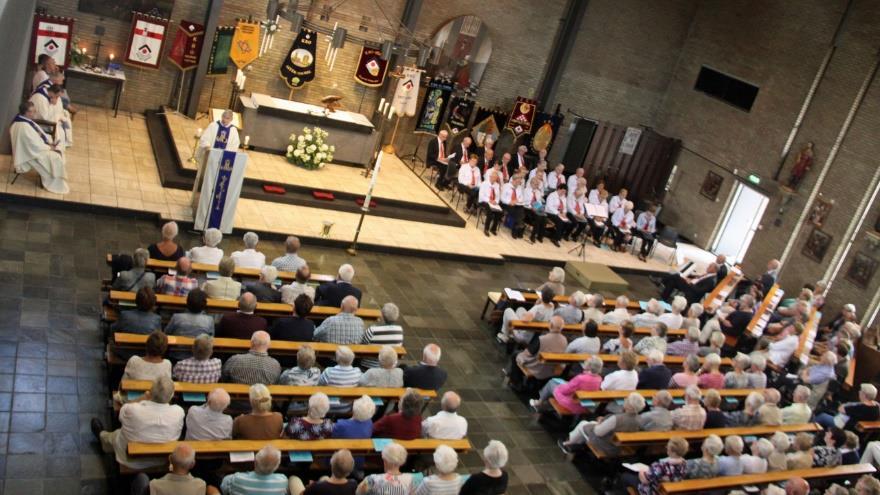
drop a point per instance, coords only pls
(565, 392)
(712, 377)
(688, 377)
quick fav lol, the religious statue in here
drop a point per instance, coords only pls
(802, 163)
(331, 103)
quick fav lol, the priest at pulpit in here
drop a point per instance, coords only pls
(219, 135)
(33, 149)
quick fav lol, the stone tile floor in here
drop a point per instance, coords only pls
(52, 377)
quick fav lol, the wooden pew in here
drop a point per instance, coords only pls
(637, 438)
(758, 323)
(725, 483)
(868, 426)
(220, 448)
(162, 267)
(610, 395)
(278, 391)
(808, 337)
(532, 297)
(235, 346)
(578, 328)
(564, 358)
(719, 294)
(221, 305)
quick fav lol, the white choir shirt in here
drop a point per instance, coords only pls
(441, 149)
(620, 216)
(249, 258)
(556, 205)
(530, 195)
(780, 351)
(469, 176)
(490, 171)
(646, 224)
(572, 182)
(485, 189)
(620, 380)
(615, 203)
(463, 154)
(553, 180)
(507, 194)
(594, 197)
(577, 206)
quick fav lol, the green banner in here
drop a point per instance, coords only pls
(218, 63)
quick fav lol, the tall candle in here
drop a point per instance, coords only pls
(381, 105)
(391, 113)
(373, 181)
(199, 132)
(247, 139)
(111, 57)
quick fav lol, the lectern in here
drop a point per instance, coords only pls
(220, 188)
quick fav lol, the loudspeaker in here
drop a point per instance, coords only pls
(579, 144)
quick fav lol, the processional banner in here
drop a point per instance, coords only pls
(146, 40)
(187, 46)
(433, 106)
(51, 36)
(298, 67)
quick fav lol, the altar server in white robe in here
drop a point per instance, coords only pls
(33, 149)
(48, 107)
(45, 66)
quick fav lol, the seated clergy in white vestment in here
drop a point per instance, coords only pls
(33, 149)
(45, 66)
(49, 108)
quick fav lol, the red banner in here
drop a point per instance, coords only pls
(51, 36)
(187, 46)
(521, 117)
(146, 41)
(371, 67)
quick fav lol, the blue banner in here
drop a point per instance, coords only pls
(221, 186)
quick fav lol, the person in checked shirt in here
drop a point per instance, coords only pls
(201, 367)
(342, 328)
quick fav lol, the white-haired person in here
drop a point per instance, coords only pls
(343, 374)
(200, 367)
(263, 479)
(849, 414)
(529, 359)
(711, 376)
(427, 375)
(178, 481)
(344, 327)
(713, 324)
(738, 378)
(668, 469)
(291, 260)
(847, 314)
(332, 293)
(361, 423)
(207, 421)
(688, 375)
(658, 418)
(387, 375)
(342, 464)
(647, 318)
(674, 319)
(777, 460)
(626, 377)
(137, 277)
(150, 419)
(314, 425)
(654, 342)
(802, 455)
(748, 416)
(555, 281)
(757, 377)
(572, 313)
(386, 332)
(299, 286)
(769, 413)
(255, 366)
(600, 435)
(209, 253)
(565, 393)
(445, 480)
(305, 373)
(715, 417)
(706, 466)
(730, 464)
(224, 286)
(167, 249)
(541, 311)
(756, 461)
(595, 305)
(820, 372)
(655, 375)
(446, 424)
(798, 412)
(716, 342)
(690, 344)
(391, 481)
(264, 288)
(620, 313)
(622, 224)
(691, 416)
(492, 480)
(692, 319)
(249, 257)
(261, 423)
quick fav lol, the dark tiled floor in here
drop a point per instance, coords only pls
(52, 378)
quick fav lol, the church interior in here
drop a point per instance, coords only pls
(439, 247)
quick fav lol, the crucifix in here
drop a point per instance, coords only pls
(99, 32)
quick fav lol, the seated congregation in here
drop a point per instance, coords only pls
(690, 391)
(329, 391)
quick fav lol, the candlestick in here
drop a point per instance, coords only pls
(247, 140)
(381, 105)
(390, 113)
(199, 132)
(111, 57)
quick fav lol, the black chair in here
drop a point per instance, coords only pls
(669, 238)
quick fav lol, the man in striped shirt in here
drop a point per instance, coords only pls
(389, 333)
(343, 328)
(343, 374)
(263, 479)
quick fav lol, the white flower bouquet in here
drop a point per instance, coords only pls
(308, 150)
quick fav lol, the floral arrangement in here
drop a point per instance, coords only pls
(308, 150)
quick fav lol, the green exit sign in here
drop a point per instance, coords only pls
(754, 178)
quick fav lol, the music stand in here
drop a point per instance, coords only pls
(581, 248)
(414, 156)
